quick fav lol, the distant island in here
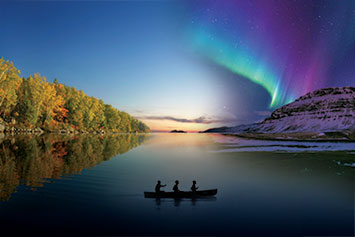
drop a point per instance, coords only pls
(178, 131)
(324, 115)
(34, 105)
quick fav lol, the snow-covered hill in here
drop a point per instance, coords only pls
(330, 109)
(325, 110)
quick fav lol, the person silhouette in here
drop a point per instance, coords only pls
(193, 187)
(158, 186)
(176, 187)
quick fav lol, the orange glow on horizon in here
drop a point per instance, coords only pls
(168, 125)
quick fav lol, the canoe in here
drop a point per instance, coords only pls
(197, 194)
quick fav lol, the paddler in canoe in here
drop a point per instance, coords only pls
(193, 187)
(176, 187)
(158, 186)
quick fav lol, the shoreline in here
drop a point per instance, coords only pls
(268, 137)
(39, 131)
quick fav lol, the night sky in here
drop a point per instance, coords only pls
(186, 64)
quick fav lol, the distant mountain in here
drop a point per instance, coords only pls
(244, 128)
(324, 111)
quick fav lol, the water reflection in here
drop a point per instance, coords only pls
(30, 160)
(280, 193)
(161, 202)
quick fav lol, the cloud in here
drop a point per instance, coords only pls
(199, 120)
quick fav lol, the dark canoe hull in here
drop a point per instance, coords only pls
(197, 194)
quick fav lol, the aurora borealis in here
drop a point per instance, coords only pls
(288, 47)
(241, 61)
(186, 64)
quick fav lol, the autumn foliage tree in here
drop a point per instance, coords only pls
(35, 102)
(9, 84)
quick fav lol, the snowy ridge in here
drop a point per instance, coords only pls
(325, 110)
(330, 109)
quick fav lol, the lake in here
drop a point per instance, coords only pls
(93, 185)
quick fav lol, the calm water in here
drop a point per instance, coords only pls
(92, 185)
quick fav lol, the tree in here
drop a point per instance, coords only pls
(10, 81)
(35, 102)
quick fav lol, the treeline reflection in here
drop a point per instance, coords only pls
(30, 160)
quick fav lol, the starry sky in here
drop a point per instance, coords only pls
(186, 65)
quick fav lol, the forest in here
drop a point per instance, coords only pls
(34, 104)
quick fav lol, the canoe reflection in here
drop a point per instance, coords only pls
(177, 201)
